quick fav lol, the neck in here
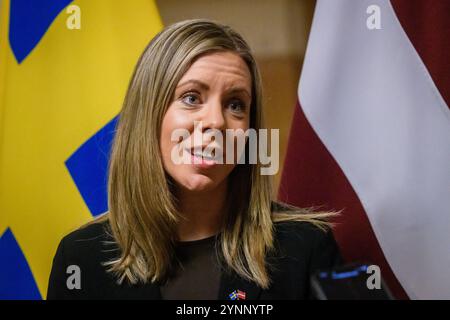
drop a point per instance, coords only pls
(203, 212)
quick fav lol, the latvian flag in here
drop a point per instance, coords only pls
(371, 136)
(240, 295)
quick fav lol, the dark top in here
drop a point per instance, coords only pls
(197, 277)
(300, 249)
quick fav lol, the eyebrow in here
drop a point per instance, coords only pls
(239, 90)
(196, 82)
(205, 86)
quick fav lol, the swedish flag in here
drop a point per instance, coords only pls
(64, 69)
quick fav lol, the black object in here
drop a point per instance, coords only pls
(349, 282)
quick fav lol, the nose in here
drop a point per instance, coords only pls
(213, 117)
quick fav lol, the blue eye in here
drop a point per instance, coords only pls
(190, 99)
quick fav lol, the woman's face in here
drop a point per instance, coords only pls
(215, 93)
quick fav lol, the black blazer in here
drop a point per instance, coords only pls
(301, 248)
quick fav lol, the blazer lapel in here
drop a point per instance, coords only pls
(230, 282)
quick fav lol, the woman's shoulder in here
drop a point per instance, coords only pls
(297, 238)
(90, 230)
(81, 255)
(88, 243)
(88, 234)
(302, 233)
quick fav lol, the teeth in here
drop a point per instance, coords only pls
(203, 155)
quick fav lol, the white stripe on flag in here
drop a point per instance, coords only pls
(373, 104)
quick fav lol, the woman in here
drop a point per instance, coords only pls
(199, 229)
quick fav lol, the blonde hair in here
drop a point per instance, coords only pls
(142, 207)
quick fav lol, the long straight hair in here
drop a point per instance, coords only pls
(142, 213)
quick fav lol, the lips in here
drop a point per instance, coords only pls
(201, 157)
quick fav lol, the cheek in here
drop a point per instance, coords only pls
(173, 119)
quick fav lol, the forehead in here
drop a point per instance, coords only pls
(225, 67)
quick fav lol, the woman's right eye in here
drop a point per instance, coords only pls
(190, 98)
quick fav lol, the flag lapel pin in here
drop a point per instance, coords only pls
(237, 295)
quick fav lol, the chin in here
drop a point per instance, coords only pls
(198, 183)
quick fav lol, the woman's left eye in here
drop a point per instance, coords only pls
(236, 105)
